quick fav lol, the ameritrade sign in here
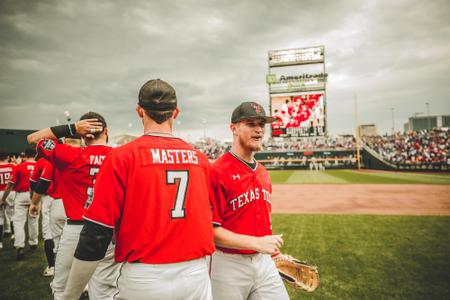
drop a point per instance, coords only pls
(297, 83)
(300, 56)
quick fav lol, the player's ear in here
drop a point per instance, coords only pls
(107, 135)
(176, 112)
(140, 111)
(233, 128)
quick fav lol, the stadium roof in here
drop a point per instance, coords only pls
(14, 140)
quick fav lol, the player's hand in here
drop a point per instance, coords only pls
(269, 244)
(33, 211)
(88, 127)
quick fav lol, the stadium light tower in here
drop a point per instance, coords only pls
(428, 115)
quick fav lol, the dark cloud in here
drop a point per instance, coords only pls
(95, 55)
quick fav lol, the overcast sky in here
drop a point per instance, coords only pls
(81, 56)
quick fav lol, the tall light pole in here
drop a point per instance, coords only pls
(428, 115)
(357, 134)
(393, 122)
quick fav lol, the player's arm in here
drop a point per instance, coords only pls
(8, 189)
(32, 187)
(40, 189)
(269, 244)
(91, 248)
(82, 128)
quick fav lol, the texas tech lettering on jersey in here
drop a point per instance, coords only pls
(250, 196)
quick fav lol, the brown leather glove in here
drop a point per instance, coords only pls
(298, 274)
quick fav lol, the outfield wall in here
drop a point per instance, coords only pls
(298, 160)
(338, 159)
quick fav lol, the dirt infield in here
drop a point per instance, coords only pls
(380, 199)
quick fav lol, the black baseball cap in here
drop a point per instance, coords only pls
(157, 95)
(250, 110)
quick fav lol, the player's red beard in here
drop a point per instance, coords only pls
(250, 144)
(252, 140)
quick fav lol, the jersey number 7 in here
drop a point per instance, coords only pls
(90, 190)
(178, 212)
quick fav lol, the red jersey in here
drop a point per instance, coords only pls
(240, 197)
(20, 177)
(5, 173)
(44, 171)
(77, 169)
(154, 192)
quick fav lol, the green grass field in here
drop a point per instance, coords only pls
(358, 177)
(359, 257)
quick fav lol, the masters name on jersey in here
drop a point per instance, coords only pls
(249, 196)
(174, 156)
(4, 170)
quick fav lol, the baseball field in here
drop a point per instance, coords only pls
(373, 235)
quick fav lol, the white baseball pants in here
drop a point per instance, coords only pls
(57, 221)
(102, 284)
(45, 211)
(7, 213)
(187, 280)
(242, 277)
(21, 216)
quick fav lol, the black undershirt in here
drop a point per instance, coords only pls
(251, 165)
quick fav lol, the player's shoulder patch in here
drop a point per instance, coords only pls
(48, 145)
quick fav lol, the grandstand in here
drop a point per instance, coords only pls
(426, 150)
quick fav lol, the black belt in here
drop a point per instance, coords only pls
(75, 222)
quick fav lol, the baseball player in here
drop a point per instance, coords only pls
(7, 209)
(20, 182)
(153, 193)
(44, 186)
(77, 169)
(242, 267)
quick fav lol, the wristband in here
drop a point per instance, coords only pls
(33, 185)
(42, 186)
(67, 130)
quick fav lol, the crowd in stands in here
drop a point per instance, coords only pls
(412, 148)
(213, 149)
(345, 142)
(422, 147)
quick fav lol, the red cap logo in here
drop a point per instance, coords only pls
(257, 108)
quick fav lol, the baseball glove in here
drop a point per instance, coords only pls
(298, 274)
